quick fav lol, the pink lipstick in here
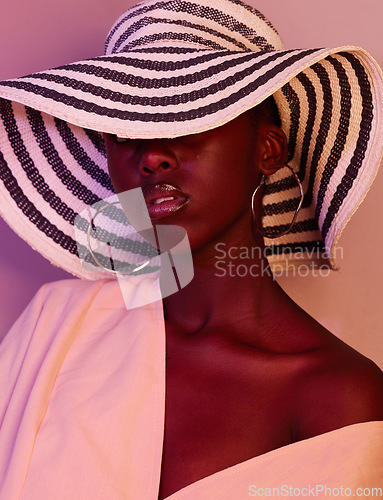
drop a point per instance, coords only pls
(163, 200)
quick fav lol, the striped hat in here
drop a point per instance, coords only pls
(179, 67)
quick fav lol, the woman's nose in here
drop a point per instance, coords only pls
(156, 157)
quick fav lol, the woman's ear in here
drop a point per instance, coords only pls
(272, 148)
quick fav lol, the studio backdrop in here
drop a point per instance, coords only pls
(40, 34)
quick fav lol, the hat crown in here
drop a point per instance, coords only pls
(193, 25)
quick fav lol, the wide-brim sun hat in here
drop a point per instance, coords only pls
(174, 68)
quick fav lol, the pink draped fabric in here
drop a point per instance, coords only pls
(82, 395)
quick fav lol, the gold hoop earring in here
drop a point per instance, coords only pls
(112, 271)
(296, 210)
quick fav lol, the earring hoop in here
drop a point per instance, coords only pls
(296, 210)
(112, 271)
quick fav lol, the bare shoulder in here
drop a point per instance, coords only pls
(341, 387)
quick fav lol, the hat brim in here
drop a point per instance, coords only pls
(53, 163)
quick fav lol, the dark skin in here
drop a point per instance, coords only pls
(248, 371)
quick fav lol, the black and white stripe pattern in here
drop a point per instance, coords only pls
(177, 67)
(340, 131)
(134, 92)
(234, 26)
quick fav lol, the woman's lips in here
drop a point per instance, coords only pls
(163, 200)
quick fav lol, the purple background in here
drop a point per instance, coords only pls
(39, 34)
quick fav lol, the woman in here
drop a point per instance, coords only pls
(254, 386)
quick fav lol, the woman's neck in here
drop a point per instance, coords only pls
(231, 285)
